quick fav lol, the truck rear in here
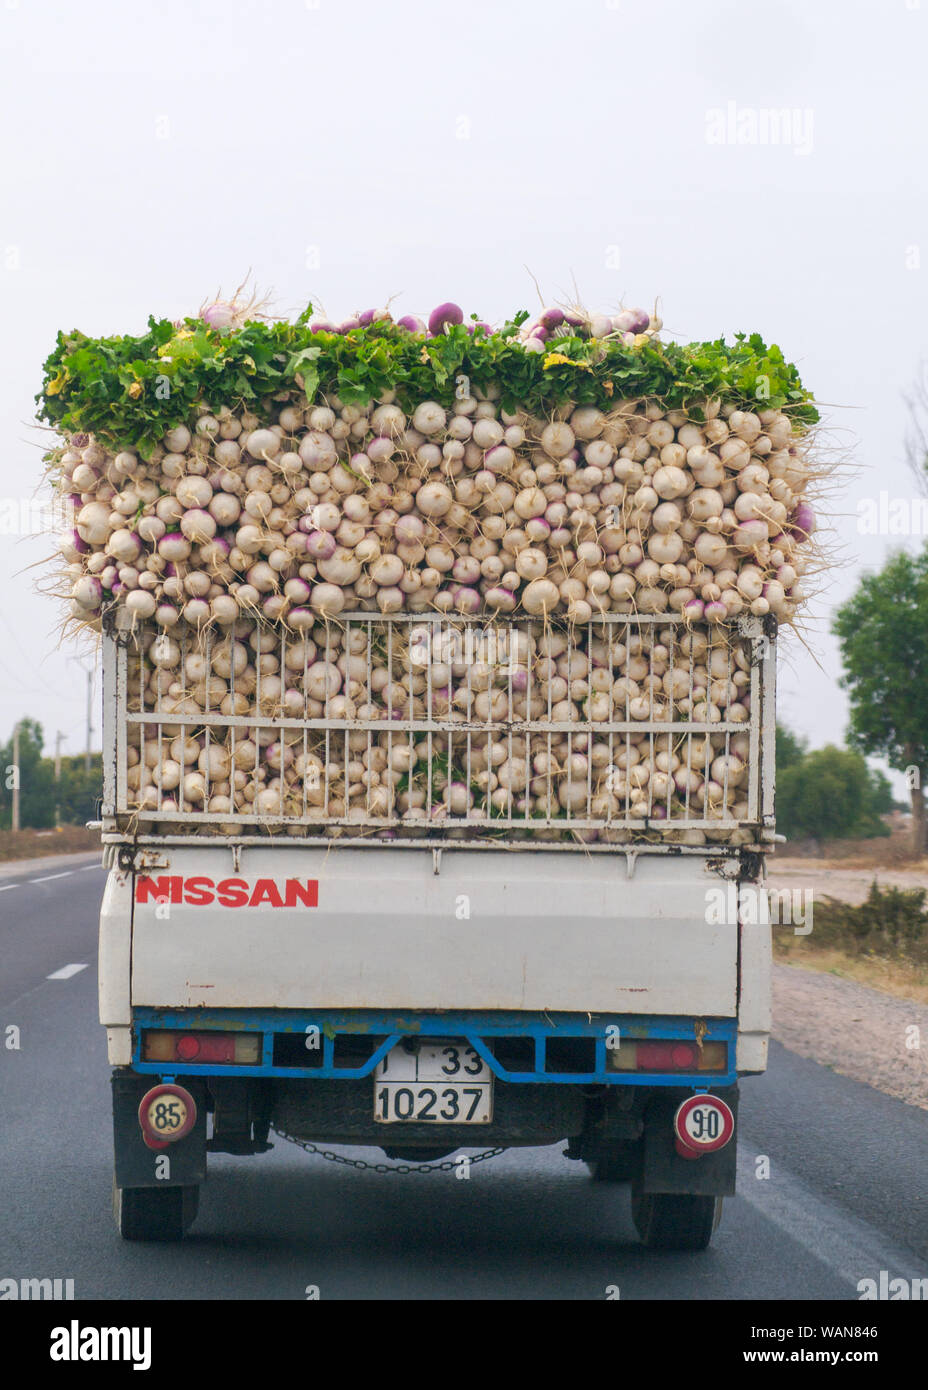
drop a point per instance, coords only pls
(487, 956)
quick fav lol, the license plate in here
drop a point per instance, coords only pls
(438, 1083)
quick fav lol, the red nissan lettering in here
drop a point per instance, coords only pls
(266, 891)
(232, 892)
(158, 890)
(197, 895)
(307, 894)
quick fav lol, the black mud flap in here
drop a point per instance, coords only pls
(663, 1169)
(179, 1165)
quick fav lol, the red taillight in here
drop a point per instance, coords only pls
(233, 1049)
(667, 1056)
(205, 1047)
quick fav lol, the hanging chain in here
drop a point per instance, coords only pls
(449, 1165)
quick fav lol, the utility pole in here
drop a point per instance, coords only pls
(14, 818)
(89, 713)
(58, 738)
(88, 670)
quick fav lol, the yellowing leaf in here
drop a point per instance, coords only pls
(555, 359)
(53, 387)
(135, 390)
(179, 344)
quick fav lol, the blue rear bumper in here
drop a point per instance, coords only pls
(479, 1029)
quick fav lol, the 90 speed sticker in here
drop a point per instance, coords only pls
(167, 1113)
(702, 1125)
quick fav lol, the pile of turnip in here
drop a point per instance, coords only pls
(245, 536)
(334, 508)
(631, 326)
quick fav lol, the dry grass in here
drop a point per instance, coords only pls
(886, 851)
(33, 844)
(900, 978)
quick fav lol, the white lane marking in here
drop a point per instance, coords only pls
(848, 1245)
(88, 868)
(7, 886)
(48, 877)
(66, 972)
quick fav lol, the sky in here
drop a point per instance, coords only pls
(754, 167)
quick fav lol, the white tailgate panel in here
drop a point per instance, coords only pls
(559, 931)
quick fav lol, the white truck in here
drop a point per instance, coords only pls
(452, 980)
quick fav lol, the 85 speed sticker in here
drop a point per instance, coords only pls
(167, 1113)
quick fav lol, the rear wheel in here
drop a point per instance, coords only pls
(154, 1213)
(675, 1221)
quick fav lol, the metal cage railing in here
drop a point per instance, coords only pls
(415, 725)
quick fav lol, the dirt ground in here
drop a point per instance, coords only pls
(836, 879)
(858, 1031)
(34, 844)
(864, 1017)
(885, 851)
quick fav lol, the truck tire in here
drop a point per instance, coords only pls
(675, 1221)
(153, 1213)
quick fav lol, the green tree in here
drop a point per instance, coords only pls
(79, 791)
(36, 780)
(76, 794)
(831, 793)
(883, 633)
(790, 748)
(882, 802)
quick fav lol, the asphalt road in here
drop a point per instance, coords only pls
(845, 1197)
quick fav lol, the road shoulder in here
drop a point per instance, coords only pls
(29, 868)
(857, 1031)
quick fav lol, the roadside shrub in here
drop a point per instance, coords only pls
(891, 921)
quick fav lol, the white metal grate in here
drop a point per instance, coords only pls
(624, 727)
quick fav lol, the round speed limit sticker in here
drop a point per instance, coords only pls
(704, 1123)
(167, 1113)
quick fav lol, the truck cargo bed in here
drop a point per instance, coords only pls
(453, 929)
(429, 743)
